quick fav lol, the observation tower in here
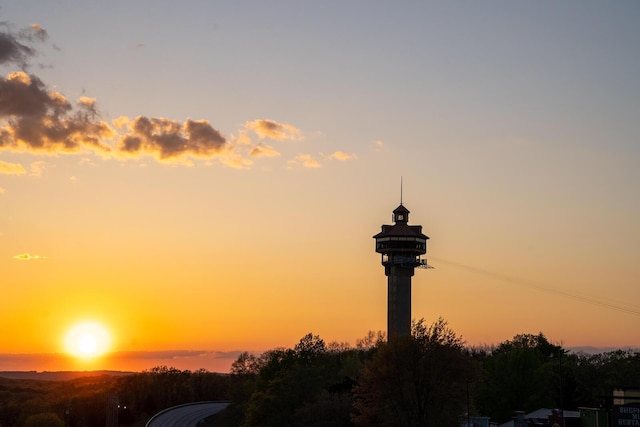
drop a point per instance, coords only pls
(401, 246)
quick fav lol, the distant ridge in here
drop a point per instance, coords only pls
(59, 375)
(600, 350)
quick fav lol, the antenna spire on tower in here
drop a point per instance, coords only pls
(400, 189)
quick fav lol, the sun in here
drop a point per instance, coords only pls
(87, 340)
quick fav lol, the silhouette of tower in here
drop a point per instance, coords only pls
(401, 246)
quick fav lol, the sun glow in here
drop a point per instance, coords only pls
(87, 340)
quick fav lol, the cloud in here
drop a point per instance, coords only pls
(61, 366)
(40, 120)
(11, 168)
(263, 150)
(28, 257)
(161, 354)
(12, 50)
(307, 161)
(35, 32)
(271, 129)
(169, 139)
(87, 161)
(236, 161)
(378, 146)
(341, 155)
(36, 168)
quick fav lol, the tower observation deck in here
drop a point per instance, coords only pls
(401, 246)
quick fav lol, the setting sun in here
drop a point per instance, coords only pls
(87, 340)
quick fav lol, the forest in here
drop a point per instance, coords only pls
(428, 379)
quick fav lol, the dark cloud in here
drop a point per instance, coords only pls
(40, 120)
(170, 139)
(12, 51)
(14, 48)
(34, 118)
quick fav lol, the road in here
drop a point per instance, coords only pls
(186, 415)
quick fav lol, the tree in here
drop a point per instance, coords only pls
(47, 419)
(520, 374)
(291, 384)
(246, 364)
(419, 380)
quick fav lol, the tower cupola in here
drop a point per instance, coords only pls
(401, 214)
(401, 243)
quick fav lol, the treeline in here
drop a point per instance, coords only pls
(84, 402)
(428, 379)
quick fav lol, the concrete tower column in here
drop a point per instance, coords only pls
(398, 300)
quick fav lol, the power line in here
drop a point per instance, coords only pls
(533, 285)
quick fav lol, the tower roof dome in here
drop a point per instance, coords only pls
(401, 209)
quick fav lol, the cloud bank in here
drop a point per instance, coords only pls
(215, 361)
(40, 120)
(35, 119)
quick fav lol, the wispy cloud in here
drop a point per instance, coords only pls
(307, 161)
(237, 161)
(267, 128)
(87, 161)
(378, 146)
(11, 168)
(341, 155)
(54, 363)
(36, 32)
(28, 257)
(263, 150)
(37, 168)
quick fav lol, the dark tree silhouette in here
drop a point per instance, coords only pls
(415, 381)
(520, 374)
(46, 419)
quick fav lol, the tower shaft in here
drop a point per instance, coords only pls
(398, 301)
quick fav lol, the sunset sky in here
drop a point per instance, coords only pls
(205, 177)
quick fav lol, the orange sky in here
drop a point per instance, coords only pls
(212, 190)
